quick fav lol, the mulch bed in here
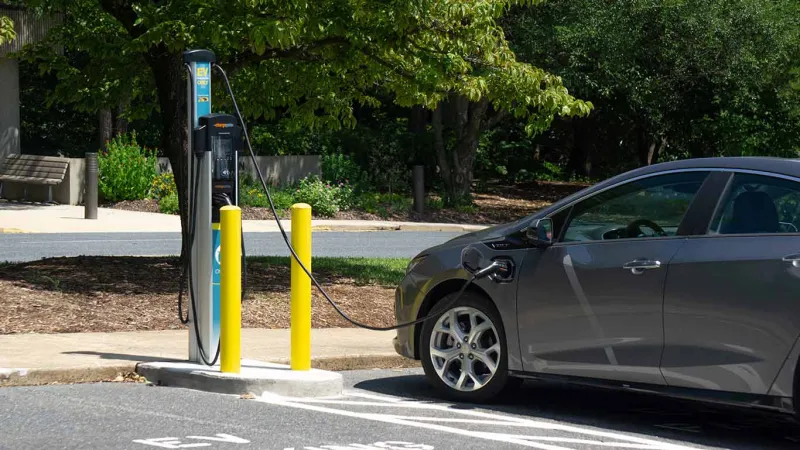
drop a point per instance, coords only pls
(103, 294)
(498, 204)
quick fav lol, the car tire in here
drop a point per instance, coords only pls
(484, 350)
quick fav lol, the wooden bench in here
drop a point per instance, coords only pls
(33, 169)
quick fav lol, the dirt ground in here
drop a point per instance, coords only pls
(99, 294)
(497, 204)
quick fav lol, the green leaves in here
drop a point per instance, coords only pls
(305, 62)
(7, 33)
(126, 170)
(699, 73)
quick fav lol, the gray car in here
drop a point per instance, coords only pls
(681, 278)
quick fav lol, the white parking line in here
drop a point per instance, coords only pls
(383, 398)
(601, 438)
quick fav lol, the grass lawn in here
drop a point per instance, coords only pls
(101, 294)
(362, 271)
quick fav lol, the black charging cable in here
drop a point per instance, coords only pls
(192, 229)
(479, 274)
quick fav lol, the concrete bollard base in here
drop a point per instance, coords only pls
(256, 378)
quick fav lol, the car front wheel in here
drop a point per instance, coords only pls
(463, 350)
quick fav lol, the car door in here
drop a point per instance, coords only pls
(591, 305)
(732, 297)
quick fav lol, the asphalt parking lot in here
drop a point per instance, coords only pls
(381, 409)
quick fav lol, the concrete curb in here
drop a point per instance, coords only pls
(438, 227)
(94, 374)
(12, 231)
(38, 377)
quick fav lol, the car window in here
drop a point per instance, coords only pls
(649, 207)
(756, 204)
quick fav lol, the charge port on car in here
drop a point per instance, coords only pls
(505, 273)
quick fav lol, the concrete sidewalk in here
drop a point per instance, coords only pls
(33, 359)
(39, 218)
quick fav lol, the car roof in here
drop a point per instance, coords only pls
(785, 166)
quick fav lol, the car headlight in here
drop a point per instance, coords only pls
(413, 263)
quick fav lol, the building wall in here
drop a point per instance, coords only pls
(29, 28)
(9, 107)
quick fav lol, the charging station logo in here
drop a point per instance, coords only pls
(216, 254)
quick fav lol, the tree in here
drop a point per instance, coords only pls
(7, 33)
(307, 62)
(669, 78)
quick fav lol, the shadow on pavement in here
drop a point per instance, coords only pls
(14, 205)
(124, 357)
(689, 422)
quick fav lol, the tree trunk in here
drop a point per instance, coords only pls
(104, 128)
(120, 122)
(168, 70)
(650, 148)
(584, 138)
(459, 122)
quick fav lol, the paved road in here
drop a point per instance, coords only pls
(28, 247)
(380, 410)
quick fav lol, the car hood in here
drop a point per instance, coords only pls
(490, 233)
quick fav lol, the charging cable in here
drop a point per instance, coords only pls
(494, 267)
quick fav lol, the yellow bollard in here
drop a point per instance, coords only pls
(230, 285)
(301, 288)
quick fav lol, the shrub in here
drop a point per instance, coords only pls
(434, 204)
(163, 185)
(382, 204)
(283, 199)
(325, 199)
(339, 168)
(169, 204)
(126, 169)
(252, 196)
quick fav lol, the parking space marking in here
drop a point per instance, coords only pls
(171, 442)
(585, 435)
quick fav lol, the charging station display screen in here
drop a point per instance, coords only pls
(222, 151)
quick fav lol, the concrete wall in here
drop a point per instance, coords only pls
(9, 107)
(283, 169)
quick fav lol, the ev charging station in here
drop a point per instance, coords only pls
(215, 141)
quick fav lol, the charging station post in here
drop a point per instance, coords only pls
(202, 254)
(215, 141)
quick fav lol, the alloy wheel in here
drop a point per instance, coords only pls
(465, 349)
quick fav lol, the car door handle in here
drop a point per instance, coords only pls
(794, 259)
(638, 266)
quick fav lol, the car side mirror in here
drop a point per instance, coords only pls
(540, 233)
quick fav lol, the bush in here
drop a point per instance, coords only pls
(283, 199)
(434, 204)
(169, 204)
(126, 169)
(339, 168)
(325, 199)
(163, 185)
